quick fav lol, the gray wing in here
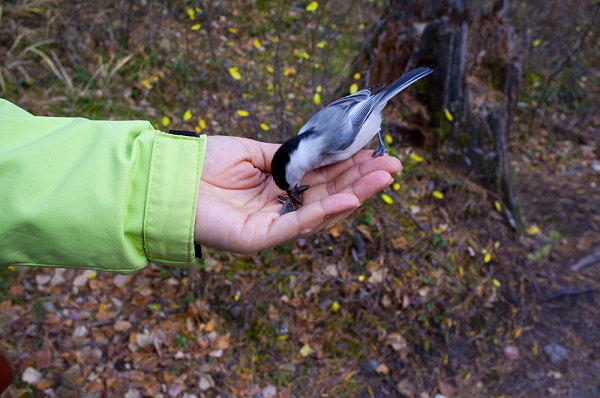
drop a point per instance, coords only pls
(357, 97)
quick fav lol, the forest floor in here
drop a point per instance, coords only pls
(425, 290)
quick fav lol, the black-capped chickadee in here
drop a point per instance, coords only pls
(333, 134)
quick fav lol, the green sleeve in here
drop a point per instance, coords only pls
(104, 195)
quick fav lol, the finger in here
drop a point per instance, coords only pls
(343, 183)
(362, 159)
(311, 217)
(369, 185)
(331, 172)
(263, 153)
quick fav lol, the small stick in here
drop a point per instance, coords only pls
(588, 260)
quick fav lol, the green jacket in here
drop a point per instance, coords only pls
(104, 195)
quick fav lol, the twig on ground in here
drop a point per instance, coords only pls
(568, 292)
(588, 260)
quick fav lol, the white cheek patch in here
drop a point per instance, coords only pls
(302, 161)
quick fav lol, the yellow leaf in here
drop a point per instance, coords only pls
(319, 89)
(415, 158)
(487, 258)
(270, 87)
(317, 99)
(196, 26)
(270, 69)
(387, 199)
(146, 83)
(275, 39)
(396, 186)
(361, 278)
(306, 350)
(197, 130)
(536, 43)
(202, 124)
(303, 54)
(257, 43)
(496, 282)
(243, 112)
(335, 307)
(437, 195)
(533, 230)
(264, 126)
(321, 44)
(448, 115)
(234, 73)
(356, 76)
(11, 268)
(517, 332)
(191, 13)
(166, 121)
(286, 72)
(312, 6)
(232, 30)
(353, 88)
(92, 275)
(461, 271)
(388, 138)
(187, 115)
(498, 206)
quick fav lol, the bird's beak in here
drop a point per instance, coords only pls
(295, 193)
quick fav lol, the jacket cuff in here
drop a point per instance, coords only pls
(171, 200)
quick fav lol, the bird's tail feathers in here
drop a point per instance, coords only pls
(400, 84)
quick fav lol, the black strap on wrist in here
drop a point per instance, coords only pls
(186, 133)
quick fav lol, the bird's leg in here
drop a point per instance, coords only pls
(381, 150)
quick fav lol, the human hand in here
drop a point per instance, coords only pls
(238, 209)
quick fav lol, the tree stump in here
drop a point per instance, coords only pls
(472, 95)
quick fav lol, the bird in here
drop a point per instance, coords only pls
(333, 134)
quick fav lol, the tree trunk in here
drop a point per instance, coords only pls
(472, 95)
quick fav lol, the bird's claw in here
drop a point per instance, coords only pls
(381, 150)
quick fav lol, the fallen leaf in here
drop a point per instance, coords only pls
(221, 343)
(31, 376)
(306, 350)
(446, 389)
(206, 382)
(312, 6)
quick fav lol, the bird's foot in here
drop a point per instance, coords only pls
(381, 150)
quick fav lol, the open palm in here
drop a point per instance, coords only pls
(238, 208)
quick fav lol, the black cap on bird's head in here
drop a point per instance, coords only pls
(279, 164)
